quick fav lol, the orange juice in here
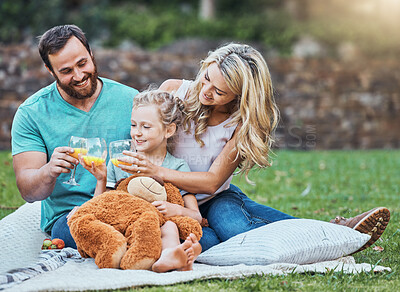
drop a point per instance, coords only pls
(116, 162)
(77, 151)
(97, 160)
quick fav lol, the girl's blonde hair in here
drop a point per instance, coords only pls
(254, 110)
(169, 108)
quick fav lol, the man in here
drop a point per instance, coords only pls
(78, 103)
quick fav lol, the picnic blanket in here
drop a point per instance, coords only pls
(47, 261)
(29, 269)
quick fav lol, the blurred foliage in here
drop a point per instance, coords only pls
(152, 30)
(154, 23)
(21, 19)
(149, 24)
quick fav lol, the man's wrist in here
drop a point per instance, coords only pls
(47, 177)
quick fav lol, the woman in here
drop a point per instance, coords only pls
(230, 116)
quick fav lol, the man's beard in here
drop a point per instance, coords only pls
(69, 89)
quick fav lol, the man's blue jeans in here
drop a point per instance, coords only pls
(231, 212)
(61, 230)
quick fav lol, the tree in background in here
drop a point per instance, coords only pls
(207, 9)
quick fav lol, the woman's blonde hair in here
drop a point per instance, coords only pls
(254, 110)
(169, 108)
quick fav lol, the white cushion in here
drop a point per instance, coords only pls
(296, 241)
(20, 237)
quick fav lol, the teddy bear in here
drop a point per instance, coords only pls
(121, 228)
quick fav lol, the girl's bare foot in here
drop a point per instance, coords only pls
(174, 258)
(196, 248)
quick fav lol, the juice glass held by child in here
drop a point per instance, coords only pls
(116, 149)
(96, 152)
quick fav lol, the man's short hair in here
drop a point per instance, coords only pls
(55, 39)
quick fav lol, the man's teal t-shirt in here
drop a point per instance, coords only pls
(46, 121)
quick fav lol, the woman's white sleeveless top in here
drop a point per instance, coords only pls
(201, 158)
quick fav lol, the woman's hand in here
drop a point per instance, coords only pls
(167, 209)
(141, 166)
(99, 172)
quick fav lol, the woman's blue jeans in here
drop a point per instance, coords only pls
(231, 212)
(61, 230)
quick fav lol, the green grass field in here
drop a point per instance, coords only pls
(317, 185)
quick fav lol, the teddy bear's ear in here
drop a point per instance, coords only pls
(122, 184)
(173, 194)
(118, 183)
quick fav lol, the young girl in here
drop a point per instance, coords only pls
(230, 117)
(155, 117)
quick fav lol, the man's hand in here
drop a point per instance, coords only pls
(36, 177)
(61, 161)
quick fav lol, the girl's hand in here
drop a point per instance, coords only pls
(167, 209)
(141, 166)
(99, 172)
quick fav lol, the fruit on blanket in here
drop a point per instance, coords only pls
(56, 243)
(46, 243)
(59, 243)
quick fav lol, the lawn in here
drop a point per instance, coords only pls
(317, 185)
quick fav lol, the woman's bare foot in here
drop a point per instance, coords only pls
(196, 248)
(174, 258)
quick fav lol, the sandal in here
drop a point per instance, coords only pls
(372, 222)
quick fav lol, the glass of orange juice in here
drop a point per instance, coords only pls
(117, 147)
(96, 151)
(79, 145)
